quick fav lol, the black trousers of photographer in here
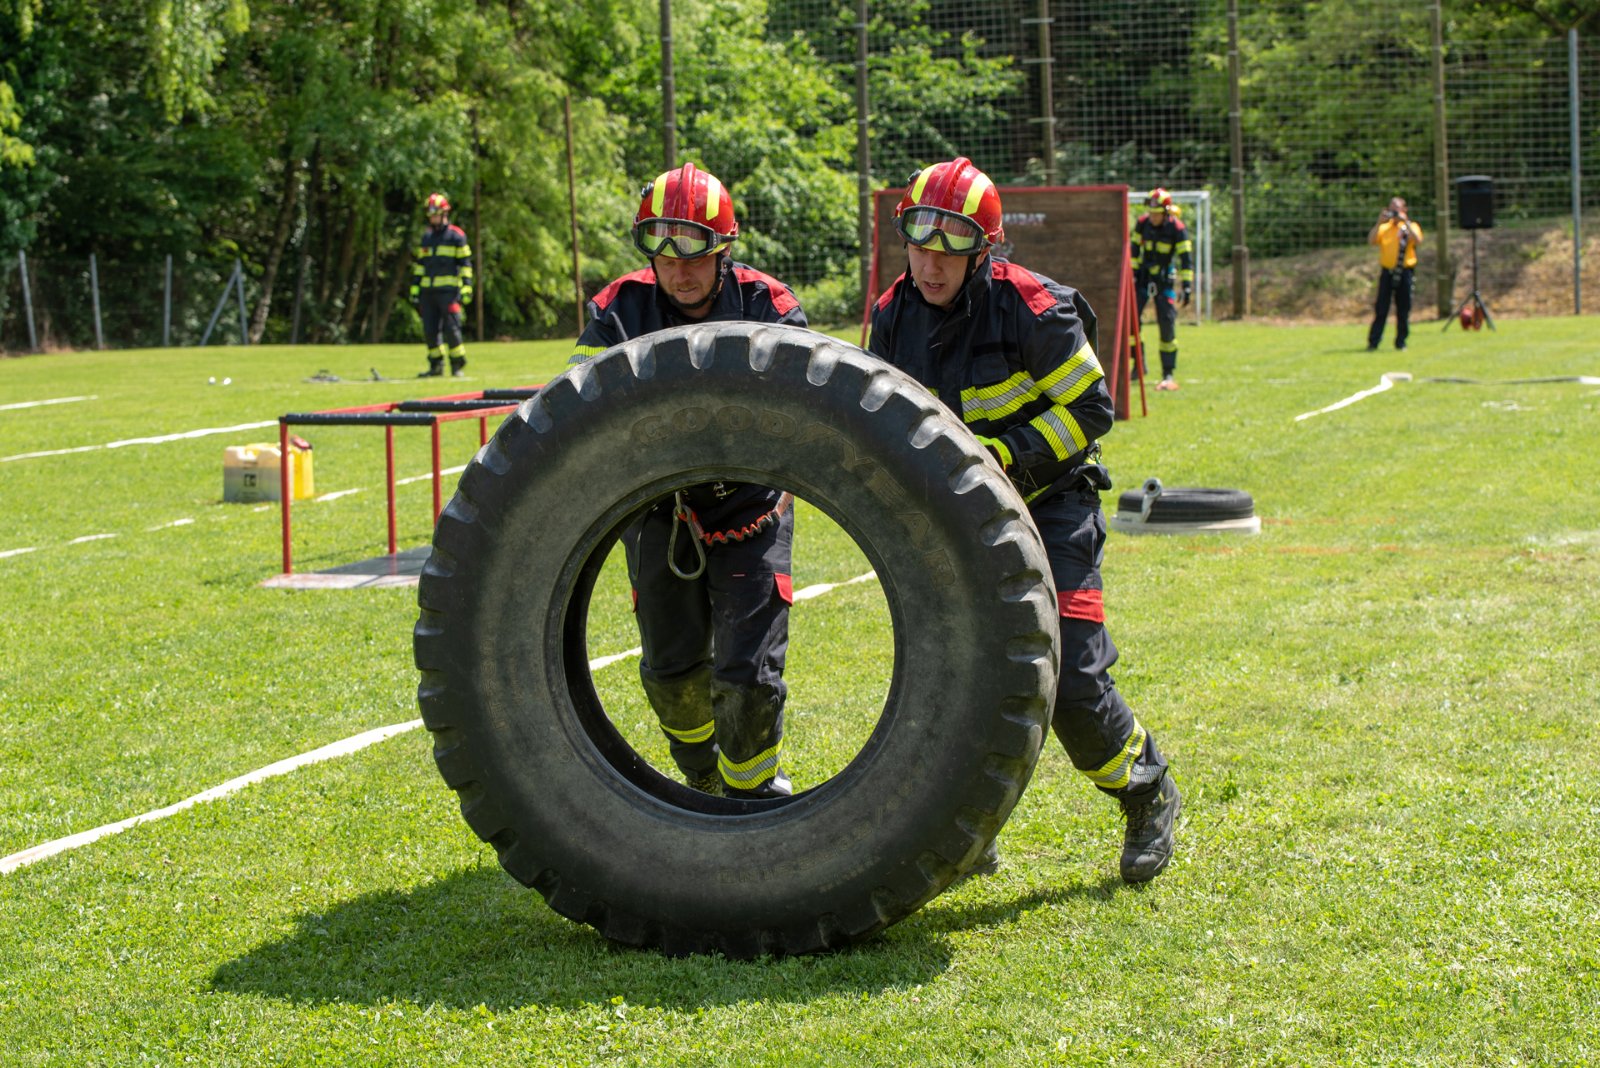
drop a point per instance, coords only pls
(1394, 284)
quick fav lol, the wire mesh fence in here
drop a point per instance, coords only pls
(1339, 107)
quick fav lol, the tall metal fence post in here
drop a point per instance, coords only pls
(863, 152)
(1577, 173)
(166, 307)
(1047, 100)
(669, 91)
(244, 325)
(572, 215)
(27, 302)
(94, 293)
(1241, 252)
(1445, 289)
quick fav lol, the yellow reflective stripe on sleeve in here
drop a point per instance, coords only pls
(586, 352)
(1069, 381)
(1186, 275)
(1186, 245)
(1061, 430)
(421, 250)
(1115, 773)
(1001, 399)
(701, 733)
(749, 774)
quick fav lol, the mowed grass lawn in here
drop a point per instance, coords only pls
(1382, 710)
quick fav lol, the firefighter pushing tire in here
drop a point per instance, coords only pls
(543, 775)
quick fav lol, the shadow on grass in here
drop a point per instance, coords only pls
(479, 938)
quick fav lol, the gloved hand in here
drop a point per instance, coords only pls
(466, 294)
(1188, 294)
(416, 295)
(1001, 454)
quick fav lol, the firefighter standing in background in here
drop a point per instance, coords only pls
(1159, 238)
(441, 284)
(711, 565)
(1011, 352)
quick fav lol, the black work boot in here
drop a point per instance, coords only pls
(458, 366)
(777, 786)
(435, 368)
(708, 783)
(1152, 817)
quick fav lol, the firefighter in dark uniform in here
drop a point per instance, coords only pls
(710, 566)
(1012, 352)
(441, 285)
(1159, 238)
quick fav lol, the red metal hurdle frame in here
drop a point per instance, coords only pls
(430, 412)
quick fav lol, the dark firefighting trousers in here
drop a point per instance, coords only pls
(714, 646)
(1102, 737)
(1166, 297)
(1392, 284)
(441, 326)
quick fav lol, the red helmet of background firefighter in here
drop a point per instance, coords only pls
(686, 224)
(949, 219)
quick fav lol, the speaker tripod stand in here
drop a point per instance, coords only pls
(1474, 300)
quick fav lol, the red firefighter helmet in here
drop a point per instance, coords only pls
(436, 204)
(952, 207)
(1159, 200)
(685, 214)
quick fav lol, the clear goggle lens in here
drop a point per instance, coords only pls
(952, 233)
(677, 238)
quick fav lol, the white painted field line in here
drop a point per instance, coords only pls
(73, 841)
(18, 552)
(42, 403)
(1386, 382)
(281, 767)
(158, 440)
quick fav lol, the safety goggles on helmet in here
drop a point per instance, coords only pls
(677, 238)
(951, 232)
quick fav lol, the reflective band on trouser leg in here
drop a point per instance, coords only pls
(683, 707)
(753, 773)
(1115, 773)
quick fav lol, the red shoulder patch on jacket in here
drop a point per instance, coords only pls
(1033, 293)
(453, 230)
(783, 301)
(603, 299)
(888, 294)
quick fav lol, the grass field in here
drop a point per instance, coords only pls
(1382, 709)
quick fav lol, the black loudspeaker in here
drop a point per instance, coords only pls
(1475, 202)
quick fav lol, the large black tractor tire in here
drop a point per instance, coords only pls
(545, 777)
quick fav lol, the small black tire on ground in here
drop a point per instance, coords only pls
(570, 807)
(1189, 504)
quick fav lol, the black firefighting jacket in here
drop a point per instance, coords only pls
(634, 305)
(443, 262)
(1013, 354)
(1155, 248)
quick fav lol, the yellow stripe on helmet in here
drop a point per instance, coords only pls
(980, 185)
(714, 198)
(920, 184)
(658, 194)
